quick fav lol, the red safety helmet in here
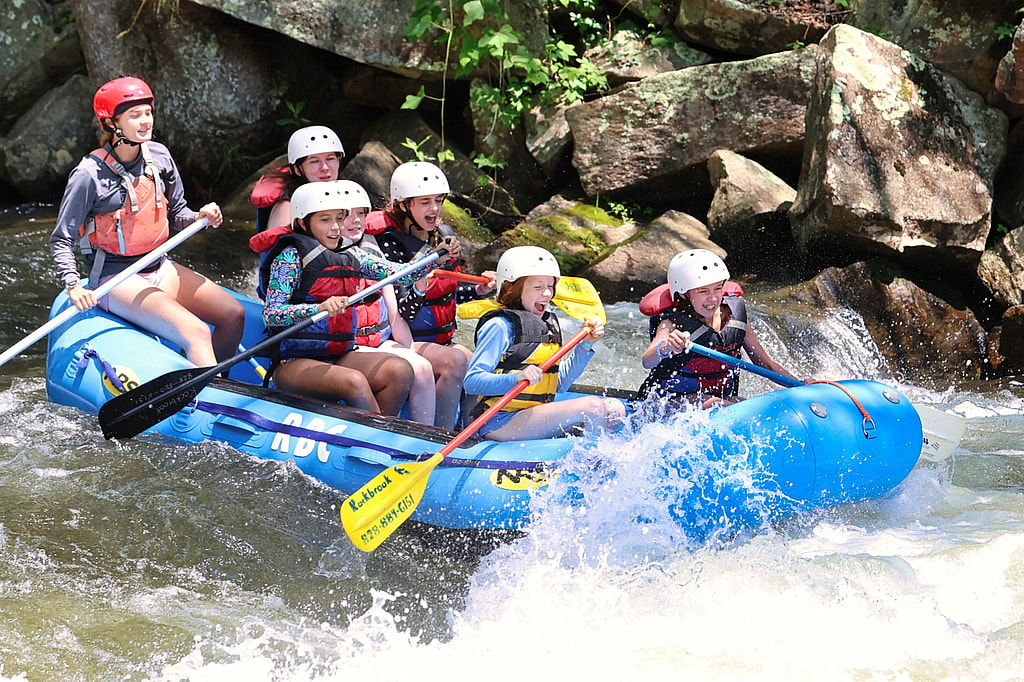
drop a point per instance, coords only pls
(119, 94)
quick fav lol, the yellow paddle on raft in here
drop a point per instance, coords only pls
(371, 514)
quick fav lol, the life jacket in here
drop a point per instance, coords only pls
(140, 225)
(534, 340)
(435, 322)
(328, 273)
(379, 221)
(267, 191)
(689, 373)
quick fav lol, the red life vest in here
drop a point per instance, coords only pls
(689, 373)
(328, 273)
(140, 225)
(435, 322)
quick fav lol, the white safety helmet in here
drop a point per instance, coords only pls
(418, 179)
(693, 269)
(355, 195)
(313, 140)
(526, 261)
(318, 196)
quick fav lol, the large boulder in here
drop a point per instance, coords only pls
(216, 82)
(745, 27)
(924, 338)
(38, 165)
(749, 213)
(899, 157)
(652, 139)
(373, 33)
(40, 51)
(638, 265)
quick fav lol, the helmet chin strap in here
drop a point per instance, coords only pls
(120, 139)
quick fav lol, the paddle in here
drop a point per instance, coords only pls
(104, 288)
(129, 414)
(371, 514)
(942, 431)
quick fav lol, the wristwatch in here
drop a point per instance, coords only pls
(71, 285)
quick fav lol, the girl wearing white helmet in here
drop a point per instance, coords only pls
(309, 270)
(407, 229)
(314, 155)
(514, 339)
(701, 311)
(122, 200)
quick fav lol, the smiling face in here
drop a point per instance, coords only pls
(707, 299)
(326, 227)
(354, 224)
(538, 290)
(136, 124)
(426, 210)
(320, 167)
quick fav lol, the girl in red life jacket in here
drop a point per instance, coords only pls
(517, 336)
(121, 200)
(309, 272)
(314, 155)
(411, 228)
(699, 312)
(396, 338)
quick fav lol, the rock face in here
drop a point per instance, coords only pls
(899, 156)
(652, 135)
(894, 135)
(921, 335)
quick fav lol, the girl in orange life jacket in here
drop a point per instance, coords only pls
(700, 313)
(309, 273)
(411, 227)
(516, 337)
(120, 199)
(314, 155)
(397, 339)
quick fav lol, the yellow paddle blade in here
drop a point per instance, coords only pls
(371, 514)
(471, 310)
(579, 299)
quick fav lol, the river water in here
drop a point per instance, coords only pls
(153, 561)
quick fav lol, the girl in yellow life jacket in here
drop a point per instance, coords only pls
(123, 199)
(516, 337)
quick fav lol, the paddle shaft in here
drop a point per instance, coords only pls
(781, 379)
(105, 288)
(191, 386)
(461, 276)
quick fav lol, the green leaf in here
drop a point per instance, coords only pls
(474, 10)
(414, 101)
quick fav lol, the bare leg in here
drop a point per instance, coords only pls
(390, 377)
(558, 418)
(176, 309)
(449, 365)
(213, 305)
(327, 381)
(422, 399)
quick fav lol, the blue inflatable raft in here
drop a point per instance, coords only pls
(811, 446)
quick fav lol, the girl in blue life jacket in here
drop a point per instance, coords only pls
(410, 227)
(310, 272)
(121, 201)
(699, 311)
(517, 336)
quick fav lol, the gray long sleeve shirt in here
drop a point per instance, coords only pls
(94, 189)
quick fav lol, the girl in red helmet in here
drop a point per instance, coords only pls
(122, 200)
